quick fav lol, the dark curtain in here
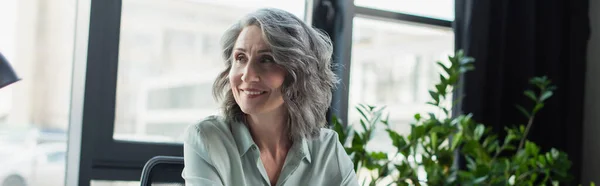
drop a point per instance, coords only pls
(335, 18)
(513, 41)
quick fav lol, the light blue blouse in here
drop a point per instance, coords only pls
(220, 153)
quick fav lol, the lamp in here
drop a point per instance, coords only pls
(7, 74)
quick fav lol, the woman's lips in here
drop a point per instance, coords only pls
(252, 93)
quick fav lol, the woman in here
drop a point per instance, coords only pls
(275, 91)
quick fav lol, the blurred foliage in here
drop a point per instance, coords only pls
(436, 140)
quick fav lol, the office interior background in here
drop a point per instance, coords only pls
(106, 85)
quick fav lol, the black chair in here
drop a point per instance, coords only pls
(7, 74)
(163, 171)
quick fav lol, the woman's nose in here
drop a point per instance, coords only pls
(250, 73)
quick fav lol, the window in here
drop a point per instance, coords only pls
(57, 158)
(393, 65)
(391, 61)
(37, 38)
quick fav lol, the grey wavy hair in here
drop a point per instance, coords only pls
(304, 52)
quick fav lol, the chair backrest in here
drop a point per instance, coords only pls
(164, 171)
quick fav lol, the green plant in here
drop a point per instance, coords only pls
(437, 139)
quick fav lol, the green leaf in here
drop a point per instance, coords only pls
(549, 158)
(546, 95)
(538, 107)
(397, 140)
(432, 103)
(417, 116)
(362, 107)
(509, 138)
(441, 88)
(443, 79)
(387, 119)
(466, 68)
(465, 175)
(510, 147)
(370, 163)
(523, 111)
(384, 171)
(480, 180)
(404, 170)
(467, 60)
(362, 113)
(542, 160)
(375, 119)
(434, 139)
(460, 53)
(536, 81)
(470, 148)
(453, 60)
(555, 153)
(453, 78)
(363, 125)
(357, 141)
(471, 165)
(531, 148)
(379, 155)
(507, 165)
(446, 69)
(456, 140)
(435, 96)
(530, 94)
(479, 131)
(446, 111)
(492, 147)
(439, 129)
(418, 132)
(488, 140)
(432, 116)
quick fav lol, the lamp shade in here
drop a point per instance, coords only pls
(7, 74)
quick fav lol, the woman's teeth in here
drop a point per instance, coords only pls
(253, 92)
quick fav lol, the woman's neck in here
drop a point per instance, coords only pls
(269, 132)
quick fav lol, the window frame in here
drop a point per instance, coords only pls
(102, 157)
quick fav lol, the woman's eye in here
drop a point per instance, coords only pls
(267, 59)
(240, 58)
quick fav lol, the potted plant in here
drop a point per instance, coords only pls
(437, 140)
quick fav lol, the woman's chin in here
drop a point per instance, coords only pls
(249, 110)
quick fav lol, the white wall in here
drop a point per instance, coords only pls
(591, 125)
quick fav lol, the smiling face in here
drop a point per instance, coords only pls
(255, 78)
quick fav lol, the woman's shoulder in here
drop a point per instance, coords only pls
(327, 136)
(326, 142)
(209, 128)
(327, 152)
(210, 123)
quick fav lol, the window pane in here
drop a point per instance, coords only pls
(439, 9)
(37, 38)
(169, 56)
(394, 65)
